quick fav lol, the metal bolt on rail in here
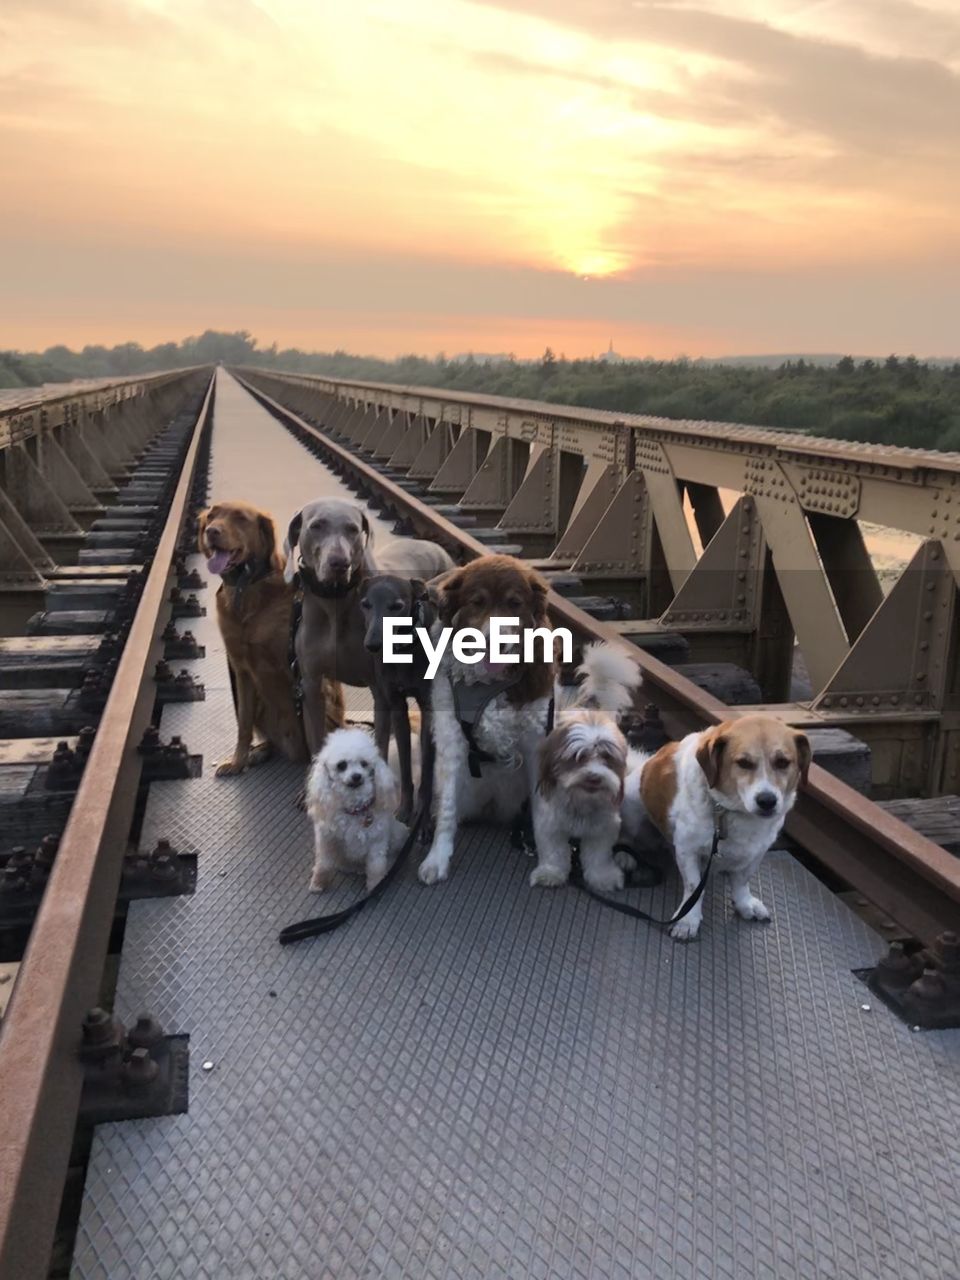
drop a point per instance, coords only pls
(139, 1070)
(102, 1036)
(145, 1032)
(162, 672)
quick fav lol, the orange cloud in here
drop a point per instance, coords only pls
(534, 142)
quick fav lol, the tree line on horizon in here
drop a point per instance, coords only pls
(898, 400)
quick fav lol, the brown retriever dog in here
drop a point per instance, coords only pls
(253, 611)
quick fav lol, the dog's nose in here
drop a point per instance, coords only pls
(338, 562)
(766, 801)
(355, 779)
(374, 646)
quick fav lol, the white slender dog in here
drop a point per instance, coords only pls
(582, 767)
(351, 797)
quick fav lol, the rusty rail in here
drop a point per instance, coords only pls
(911, 879)
(61, 971)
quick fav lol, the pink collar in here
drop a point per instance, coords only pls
(355, 813)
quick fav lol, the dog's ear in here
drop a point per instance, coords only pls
(710, 754)
(550, 750)
(444, 592)
(367, 529)
(268, 536)
(804, 754)
(538, 593)
(202, 519)
(423, 608)
(388, 792)
(291, 546)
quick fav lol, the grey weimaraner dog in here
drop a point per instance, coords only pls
(385, 595)
(330, 545)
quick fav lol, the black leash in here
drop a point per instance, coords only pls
(316, 925)
(625, 909)
(296, 617)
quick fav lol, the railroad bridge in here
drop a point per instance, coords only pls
(478, 1079)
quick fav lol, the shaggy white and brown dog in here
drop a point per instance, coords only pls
(578, 797)
(351, 797)
(580, 785)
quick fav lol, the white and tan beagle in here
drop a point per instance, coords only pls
(750, 770)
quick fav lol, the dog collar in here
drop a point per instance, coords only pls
(245, 575)
(362, 808)
(327, 591)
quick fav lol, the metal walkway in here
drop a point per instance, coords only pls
(481, 1080)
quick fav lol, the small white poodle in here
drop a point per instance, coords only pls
(351, 797)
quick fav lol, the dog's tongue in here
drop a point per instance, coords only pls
(218, 562)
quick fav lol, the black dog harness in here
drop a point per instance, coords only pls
(470, 701)
(245, 575)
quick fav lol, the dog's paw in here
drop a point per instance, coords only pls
(405, 813)
(321, 880)
(432, 870)
(605, 879)
(260, 754)
(624, 860)
(752, 909)
(547, 877)
(685, 930)
(229, 769)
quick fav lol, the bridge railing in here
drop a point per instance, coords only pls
(63, 449)
(749, 541)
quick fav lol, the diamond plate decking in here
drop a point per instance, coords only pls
(482, 1080)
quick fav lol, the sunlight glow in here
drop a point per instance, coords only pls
(561, 139)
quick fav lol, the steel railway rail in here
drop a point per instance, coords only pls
(59, 978)
(909, 878)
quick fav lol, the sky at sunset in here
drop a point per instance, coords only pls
(723, 176)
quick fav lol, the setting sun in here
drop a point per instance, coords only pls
(312, 171)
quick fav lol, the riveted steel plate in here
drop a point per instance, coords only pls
(480, 1080)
